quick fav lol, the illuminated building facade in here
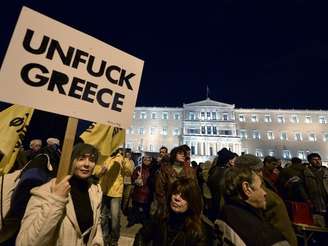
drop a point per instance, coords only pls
(207, 126)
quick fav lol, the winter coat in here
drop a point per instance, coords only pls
(163, 233)
(316, 182)
(112, 181)
(51, 220)
(215, 183)
(277, 215)
(165, 179)
(141, 193)
(291, 183)
(249, 224)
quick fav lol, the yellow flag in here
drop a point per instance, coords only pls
(105, 138)
(13, 126)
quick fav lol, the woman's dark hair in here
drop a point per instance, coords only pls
(189, 191)
(174, 151)
(81, 149)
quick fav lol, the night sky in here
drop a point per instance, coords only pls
(254, 54)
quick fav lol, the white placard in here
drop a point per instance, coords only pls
(53, 67)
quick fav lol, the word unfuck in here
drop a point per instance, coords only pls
(38, 75)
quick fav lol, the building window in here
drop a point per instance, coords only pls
(176, 132)
(256, 134)
(143, 115)
(193, 131)
(283, 136)
(298, 136)
(267, 118)
(209, 130)
(325, 137)
(225, 132)
(192, 116)
(164, 131)
(294, 119)
(215, 132)
(152, 131)
(225, 117)
(243, 133)
(192, 147)
(254, 118)
(270, 135)
(213, 115)
(165, 115)
(202, 115)
(203, 129)
(308, 119)
(242, 118)
(322, 120)
(141, 131)
(271, 153)
(301, 155)
(153, 115)
(208, 114)
(286, 154)
(258, 153)
(312, 137)
(281, 119)
(151, 148)
(177, 116)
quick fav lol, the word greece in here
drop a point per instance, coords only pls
(38, 75)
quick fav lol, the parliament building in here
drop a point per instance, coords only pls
(208, 125)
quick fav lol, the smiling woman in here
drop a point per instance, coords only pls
(67, 212)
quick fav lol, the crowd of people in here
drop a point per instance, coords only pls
(230, 200)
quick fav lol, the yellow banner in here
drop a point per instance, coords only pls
(105, 138)
(13, 126)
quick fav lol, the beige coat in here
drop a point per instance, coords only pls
(50, 220)
(112, 181)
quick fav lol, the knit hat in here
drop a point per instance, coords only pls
(81, 149)
(224, 155)
(249, 161)
(52, 141)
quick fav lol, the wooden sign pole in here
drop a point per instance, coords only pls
(65, 167)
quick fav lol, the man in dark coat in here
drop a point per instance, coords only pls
(224, 160)
(275, 211)
(245, 198)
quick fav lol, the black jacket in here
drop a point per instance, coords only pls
(169, 232)
(249, 224)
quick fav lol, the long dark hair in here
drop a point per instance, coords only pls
(189, 191)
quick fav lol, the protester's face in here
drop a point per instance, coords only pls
(147, 160)
(316, 162)
(232, 162)
(178, 204)
(36, 146)
(162, 152)
(84, 166)
(256, 194)
(128, 155)
(180, 157)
